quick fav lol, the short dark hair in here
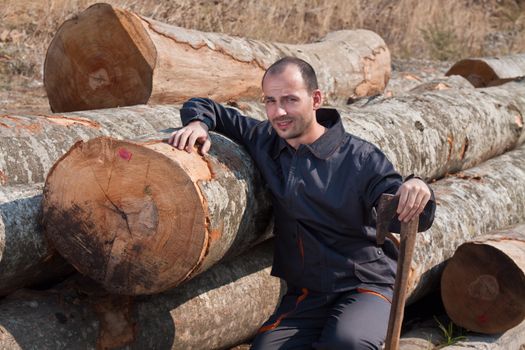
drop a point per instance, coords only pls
(307, 71)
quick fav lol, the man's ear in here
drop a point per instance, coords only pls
(317, 99)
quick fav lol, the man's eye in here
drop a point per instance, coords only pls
(292, 99)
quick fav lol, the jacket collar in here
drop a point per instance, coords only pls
(325, 145)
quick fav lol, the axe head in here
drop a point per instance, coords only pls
(386, 210)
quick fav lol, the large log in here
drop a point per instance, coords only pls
(25, 258)
(490, 71)
(483, 284)
(109, 194)
(30, 145)
(470, 204)
(434, 133)
(217, 310)
(146, 217)
(108, 57)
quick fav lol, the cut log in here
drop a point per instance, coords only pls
(490, 71)
(108, 57)
(434, 133)
(217, 310)
(25, 258)
(146, 217)
(110, 196)
(30, 145)
(470, 204)
(483, 284)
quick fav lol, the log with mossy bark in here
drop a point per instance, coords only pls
(490, 71)
(108, 57)
(483, 284)
(217, 310)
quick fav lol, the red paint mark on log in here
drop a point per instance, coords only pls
(3, 178)
(481, 319)
(124, 154)
(215, 235)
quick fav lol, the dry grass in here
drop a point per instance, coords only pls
(444, 30)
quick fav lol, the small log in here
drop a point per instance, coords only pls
(142, 218)
(25, 258)
(146, 61)
(490, 71)
(483, 284)
(30, 145)
(221, 308)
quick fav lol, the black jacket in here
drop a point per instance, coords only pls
(324, 196)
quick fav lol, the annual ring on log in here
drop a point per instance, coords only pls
(483, 289)
(133, 212)
(112, 61)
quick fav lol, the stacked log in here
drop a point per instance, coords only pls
(145, 61)
(62, 319)
(217, 310)
(483, 284)
(31, 144)
(25, 258)
(490, 71)
(117, 205)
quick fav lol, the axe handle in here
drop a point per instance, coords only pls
(406, 251)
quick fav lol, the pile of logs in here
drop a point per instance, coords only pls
(169, 243)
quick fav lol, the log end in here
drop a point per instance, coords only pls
(483, 290)
(99, 59)
(127, 215)
(477, 72)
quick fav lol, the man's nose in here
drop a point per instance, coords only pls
(280, 110)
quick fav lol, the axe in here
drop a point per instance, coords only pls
(386, 210)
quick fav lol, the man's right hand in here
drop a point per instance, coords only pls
(185, 138)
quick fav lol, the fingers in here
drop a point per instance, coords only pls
(413, 197)
(186, 138)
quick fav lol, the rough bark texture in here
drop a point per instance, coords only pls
(490, 71)
(108, 57)
(219, 309)
(434, 132)
(424, 145)
(30, 145)
(470, 204)
(142, 218)
(25, 258)
(483, 284)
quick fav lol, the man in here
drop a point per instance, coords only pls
(325, 184)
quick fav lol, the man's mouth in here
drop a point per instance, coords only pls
(283, 124)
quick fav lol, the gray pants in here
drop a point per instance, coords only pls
(356, 319)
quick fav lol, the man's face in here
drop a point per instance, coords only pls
(290, 108)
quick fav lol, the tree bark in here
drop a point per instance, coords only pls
(25, 258)
(470, 204)
(217, 310)
(109, 242)
(490, 71)
(30, 145)
(145, 61)
(434, 130)
(483, 284)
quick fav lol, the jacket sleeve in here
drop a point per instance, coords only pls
(381, 177)
(227, 121)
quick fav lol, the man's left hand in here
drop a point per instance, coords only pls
(413, 197)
